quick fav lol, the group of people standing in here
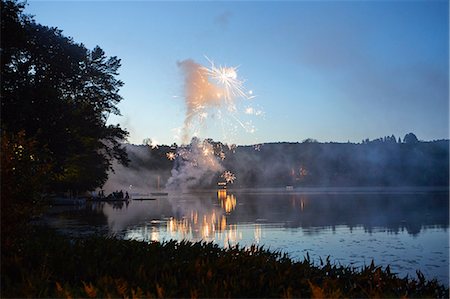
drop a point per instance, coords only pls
(115, 195)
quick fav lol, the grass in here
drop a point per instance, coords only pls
(43, 263)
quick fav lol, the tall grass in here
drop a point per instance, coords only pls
(42, 263)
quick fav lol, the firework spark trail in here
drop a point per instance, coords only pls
(229, 177)
(171, 156)
(199, 93)
(209, 92)
(210, 87)
(227, 77)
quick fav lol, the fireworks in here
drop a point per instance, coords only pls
(211, 93)
(230, 85)
(207, 149)
(300, 174)
(152, 143)
(228, 176)
(171, 156)
(303, 172)
(232, 148)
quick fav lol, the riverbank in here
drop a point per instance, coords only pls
(39, 262)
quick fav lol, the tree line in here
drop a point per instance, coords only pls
(312, 164)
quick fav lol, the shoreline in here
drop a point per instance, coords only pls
(44, 263)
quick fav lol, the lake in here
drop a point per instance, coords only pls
(406, 228)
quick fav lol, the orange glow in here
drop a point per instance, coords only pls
(154, 235)
(230, 203)
(299, 203)
(178, 226)
(171, 156)
(208, 226)
(227, 201)
(232, 236)
(223, 223)
(222, 194)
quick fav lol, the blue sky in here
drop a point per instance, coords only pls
(329, 70)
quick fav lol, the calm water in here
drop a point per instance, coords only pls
(404, 228)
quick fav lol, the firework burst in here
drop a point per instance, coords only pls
(228, 82)
(229, 177)
(171, 156)
(211, 92)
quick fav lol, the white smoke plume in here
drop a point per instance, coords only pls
(195, 167)
(199, 94)
(209, 92)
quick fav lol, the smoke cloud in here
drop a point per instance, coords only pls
(195, 167)
(207, 91)
(199, 94)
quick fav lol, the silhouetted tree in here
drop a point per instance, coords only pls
(410, 138)
(310, 140)
(58, 95)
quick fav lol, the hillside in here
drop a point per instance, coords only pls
(298, 164)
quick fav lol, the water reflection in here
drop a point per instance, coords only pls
(227, 201)
(198, 217)
(407, 230)
(298, 202)
(203, 215)
(188, 221)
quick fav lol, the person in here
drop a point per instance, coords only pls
(127, 196)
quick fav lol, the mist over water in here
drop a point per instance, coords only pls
(406, 228)
(195, 167)
(200, 164)
(352, 202)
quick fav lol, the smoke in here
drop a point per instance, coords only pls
(209, 92)
(195, 167)
(199, 94)
(142, 175)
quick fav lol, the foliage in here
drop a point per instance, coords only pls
(45, 264)
(374, 163)
(23, 173)
(410, 138)
(59, 94)
(24, 167)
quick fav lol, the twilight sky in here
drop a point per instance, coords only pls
(329, 70)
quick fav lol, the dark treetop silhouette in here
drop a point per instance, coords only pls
(56, 96)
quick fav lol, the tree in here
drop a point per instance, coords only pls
(310, 140)
(410, 138)
(59, 94)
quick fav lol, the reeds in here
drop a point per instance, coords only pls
(42, 263)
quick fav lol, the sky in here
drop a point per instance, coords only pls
(328, 70)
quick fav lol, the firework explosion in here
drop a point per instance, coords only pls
(229, 177)
(257, 147)
(212, 92)
(171, 156)
(195, 166)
